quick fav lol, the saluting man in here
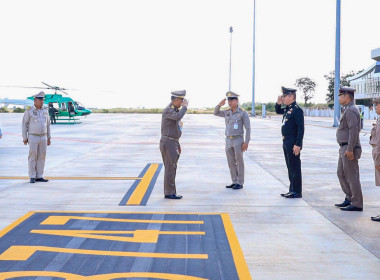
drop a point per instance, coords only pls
(236, 119)
(347, 136)
(36, 133)
(292, 131)
(171, 131)
(375, 143)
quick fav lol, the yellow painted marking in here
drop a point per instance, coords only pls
(72, 178)
(128, 212)
(139, 236)
(110, 276)
(61, 220)
(142, 187)
(15, 224)
(237, 253)
(23, 253)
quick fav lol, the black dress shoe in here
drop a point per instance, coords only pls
(345, 203)
(376, 219)
(32, 180)
(293, 195)
(173, 196)
(230, 186)
(284, 194)
(351, 208)
(237, 187)
(42, 180)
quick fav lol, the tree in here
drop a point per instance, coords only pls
(307, 86)
(343, 81)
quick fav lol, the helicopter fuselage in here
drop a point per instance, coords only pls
(61, 104)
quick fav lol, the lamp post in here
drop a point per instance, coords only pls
(337, 66)
(253, 66)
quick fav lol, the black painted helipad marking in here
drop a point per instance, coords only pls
(140, 191)
(102, 246)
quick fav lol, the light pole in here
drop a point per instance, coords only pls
(253, 66)
(337, 66)
(229, 84)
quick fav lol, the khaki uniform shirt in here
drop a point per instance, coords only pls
(374, 140)
(235, 122)
(171, 125)
(349, 127)
(36, 122)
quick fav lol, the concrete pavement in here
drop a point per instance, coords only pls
(304, 238)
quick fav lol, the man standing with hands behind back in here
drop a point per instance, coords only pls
(347, 136)
(374, 141)
(236, 119)
(292, 131)
(36, 133)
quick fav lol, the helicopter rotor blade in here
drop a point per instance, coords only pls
(63, 91)
(47, 85)
(24, 87)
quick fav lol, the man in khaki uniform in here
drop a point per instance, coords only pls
(374, 141)
(36, 133)
(171, 131)
(236, 119)
(347, 136)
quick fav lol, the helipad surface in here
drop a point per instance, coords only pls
(97, 167)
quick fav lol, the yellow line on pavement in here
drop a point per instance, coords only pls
(237, 253)
(71, 178)
(15, 223)
(62, 220)
(23, 253)
(137, 196)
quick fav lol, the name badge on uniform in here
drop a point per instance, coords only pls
(236, 125)
(180, 125)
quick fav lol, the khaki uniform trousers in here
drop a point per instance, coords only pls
(37, 155)
(235, 159)
(170, 155)
(377, 173)
(349, 178)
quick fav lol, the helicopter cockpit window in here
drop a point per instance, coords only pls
(63, 106)
(79, 106)
(56, 105)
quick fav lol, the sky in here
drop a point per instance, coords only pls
(133, 53)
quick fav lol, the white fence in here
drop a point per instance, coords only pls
(315, 112)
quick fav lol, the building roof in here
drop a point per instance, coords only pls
(363, 73)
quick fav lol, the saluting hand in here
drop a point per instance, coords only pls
(279, 100)
(377, 167)
(349, 155)
(296, 150)
(244, 147)
(185, 102)
(48, 142)
(221, 103)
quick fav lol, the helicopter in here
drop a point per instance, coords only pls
(62, 104)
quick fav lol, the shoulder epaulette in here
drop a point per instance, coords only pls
(228, 109)
(28, 108)
(242, 109)
(173, 107)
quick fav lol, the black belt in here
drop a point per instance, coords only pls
(345, 144)
(288, 137)
(170, 138)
